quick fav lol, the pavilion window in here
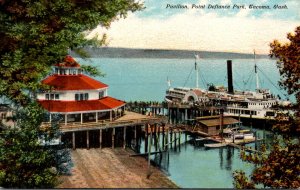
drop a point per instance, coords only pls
(81, 97)
(76, 97)
(52, 96)
(86, 96)
(47, 96)
(101, 94)
(56, 96)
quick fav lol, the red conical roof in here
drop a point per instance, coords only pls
(104, 104)
(73, 82)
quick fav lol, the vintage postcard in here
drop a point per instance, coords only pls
(188, 95)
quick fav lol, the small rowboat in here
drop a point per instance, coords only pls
(215, 145)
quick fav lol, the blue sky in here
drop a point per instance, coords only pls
(156, 8)
(232, 30)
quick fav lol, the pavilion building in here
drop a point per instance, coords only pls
(77, 97)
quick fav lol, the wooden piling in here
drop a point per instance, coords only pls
(179, 140)
(171, 138)
(177, 115)
(100, 138)
(175, 140)
(146, 138)
(163, 136)
(169, 115)
(87, 140)
(135, 136)
(255, 140)
(155, 136)
(124, 137)
(113, 138)
(150, 144)
(167, 139)
(73, 140)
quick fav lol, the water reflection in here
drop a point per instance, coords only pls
(230, 153)
(221, 157)
(196, 166)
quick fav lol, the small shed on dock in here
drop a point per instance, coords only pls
(212, 124)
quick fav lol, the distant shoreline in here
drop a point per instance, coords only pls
(109, 52)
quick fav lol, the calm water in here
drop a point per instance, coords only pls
(194, 166)
(146, 80)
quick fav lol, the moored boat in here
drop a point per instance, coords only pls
(215, 145)
(258, 104)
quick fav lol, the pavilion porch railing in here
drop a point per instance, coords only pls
(73, 126)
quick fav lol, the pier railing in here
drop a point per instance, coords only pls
(77, 126)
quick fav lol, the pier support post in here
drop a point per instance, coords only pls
(171, 138)
(146, 138)
(124, 137)
(155, 136)
(66, 119)
(167, 139)
(185, 135)
(177, 115)
(113, 138)
(158, 134)
(96, 117)
(251, 120)
(150, 144)
(135, 137)
(255, 140)
(110, 115)
(179, 140)
(100, 139)
(175, 140)
(73, 140)
(87, 140)
(169, 117)
(163, 136)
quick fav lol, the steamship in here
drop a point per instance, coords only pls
(258, 104)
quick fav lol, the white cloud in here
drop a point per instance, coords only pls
(196, 31)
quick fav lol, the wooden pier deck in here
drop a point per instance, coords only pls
(129, 119)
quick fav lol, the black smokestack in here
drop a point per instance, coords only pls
(229, 76)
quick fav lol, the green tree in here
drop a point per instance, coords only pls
(27, 158)
(279, 168)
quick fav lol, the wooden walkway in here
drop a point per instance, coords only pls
(129, 119)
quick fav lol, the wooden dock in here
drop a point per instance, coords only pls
(129, 119)
(125, 131)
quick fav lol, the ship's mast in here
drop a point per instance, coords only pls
(256, 73)
(196, 68)
(169, 82)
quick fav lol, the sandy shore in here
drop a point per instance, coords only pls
(112, 168)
